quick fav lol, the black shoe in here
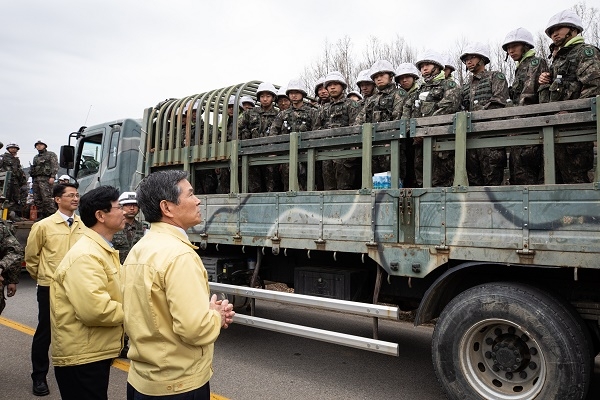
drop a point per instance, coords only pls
(40, 388)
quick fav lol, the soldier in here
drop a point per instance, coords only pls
(64, 179)
(436, 96)
(449, 67)
(89, 164)
(11, 255)
(133, 230)
(354, 95)
(574, 74)
(340, 111)
(9, 162)
(321, 92)
(385, 105)
(47, 244)
(407, 77)
(525, 162)
(282, 100)
(299, 118)
(247, 102)
(43, 171)
(366, 85)
(486, 90)
(255, 123)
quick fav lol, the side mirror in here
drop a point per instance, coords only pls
(67, 157)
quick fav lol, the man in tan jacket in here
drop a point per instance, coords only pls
(86, 302)
(47, 244)
(171, 323)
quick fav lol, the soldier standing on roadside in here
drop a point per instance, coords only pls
(9, 162)
(485, 90)
(11, 255)
(525, 162)
(43, 170)
(574, 74)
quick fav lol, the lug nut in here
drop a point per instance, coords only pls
(495, 368)
(533, 351)
(516, 352)
(523, 375)
(511, 330)
(498, 331)
(532, 365)
(488, 355)
(518, 359)
(496, 348)
(489, 341)
(515, 366)
(524, 337)
(509, 375)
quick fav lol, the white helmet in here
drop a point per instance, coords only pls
(335, 76)
(364, 76)
(295, 84)
(231, 100)
(519, 35)
(449, 63)
(381, 66)
(266, 87)
(407, 69)
(431, 57)
(318, 84)
(64, 178)
(16, 146)
(247, 99)
(128, 198)
(187, 105)
(354, 92)
(87, 153)
(40, 141)
(564, 18)
(477, 49)
(282, 92)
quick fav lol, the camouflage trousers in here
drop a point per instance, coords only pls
(42, 196)
(205, 182)
(485, 167)
(442, 174)
(573, 161)
(263, 178)
(340, 174)
(16, 202)
(284, 170)
(526, 165)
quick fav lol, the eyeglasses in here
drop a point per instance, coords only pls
(120, 207)
(71, 195)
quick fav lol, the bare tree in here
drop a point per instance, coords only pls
(591, 22)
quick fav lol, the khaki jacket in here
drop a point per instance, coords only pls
(47, 244)
(86, 304)
(167, 316)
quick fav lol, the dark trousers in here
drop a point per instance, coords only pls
(85, 381)
(41, 339)
(202, 393)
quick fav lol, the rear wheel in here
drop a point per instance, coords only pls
(511, 341)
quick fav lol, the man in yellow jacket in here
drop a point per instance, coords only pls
(86, 302)
(171, 323)
(47, 244)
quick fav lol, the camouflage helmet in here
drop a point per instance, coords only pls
(382, 66)
(282, 92)
(431, 57)
(266, 87)
(295, 85)
(564, 18)
(477, 49)
(16, 146)
(335, 76)
(519, 35)
(407, 69)
(318, 84)
(364, 76)
(40, 141)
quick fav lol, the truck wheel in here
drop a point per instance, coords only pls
(511, 341)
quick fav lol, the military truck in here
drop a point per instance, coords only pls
(508, 273)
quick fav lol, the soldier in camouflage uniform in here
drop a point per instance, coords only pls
(525, 162)
(255, 123)
(366, 86)
(449, 68)
(9, 162)
(485, 90)
(339, 112)
(11, 256)
(42, 171)
(385, 105)
(282, 99)
(321, 92)
(436, 96)
(574, 74)
(224, 174)
(133, 230)
(300, 117)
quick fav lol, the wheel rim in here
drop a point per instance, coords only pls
(502, 360)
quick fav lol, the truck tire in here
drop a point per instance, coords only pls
(511, 341)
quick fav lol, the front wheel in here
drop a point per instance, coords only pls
(511, 341)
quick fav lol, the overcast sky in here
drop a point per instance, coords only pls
(58, 58)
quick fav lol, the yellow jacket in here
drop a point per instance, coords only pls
(167, 317)
(86, 304)
(47, 244)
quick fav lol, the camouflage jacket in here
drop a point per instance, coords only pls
(11, 254)
(485, 91)
(11, 163)
(579, 65)
(45, 163)
(434, 97)
(525, 87)
(338, 113)
(293, 119)
(255, 123)
(385, 105)
(127, 237)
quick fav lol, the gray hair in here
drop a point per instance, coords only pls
(156, 187)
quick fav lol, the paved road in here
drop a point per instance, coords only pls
(254, 364)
